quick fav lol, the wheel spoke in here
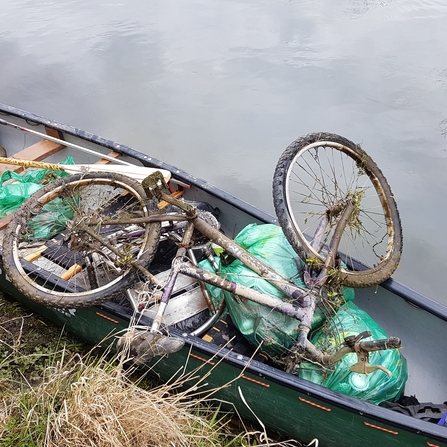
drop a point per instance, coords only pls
(79, 260)
(322, 172)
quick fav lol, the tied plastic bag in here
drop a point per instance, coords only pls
(14, 194)
(256, 322)
(375, 387)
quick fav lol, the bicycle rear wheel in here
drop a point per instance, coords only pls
(59, 250)
(315, 177)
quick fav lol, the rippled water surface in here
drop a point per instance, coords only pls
(221, 88)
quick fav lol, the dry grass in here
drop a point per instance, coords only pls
(96, 404)
(80, 403)
(58, 397)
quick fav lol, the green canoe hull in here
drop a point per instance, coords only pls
(284, 403)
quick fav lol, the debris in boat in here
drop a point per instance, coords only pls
(257, 322)
(427, 411)
(375, 387)
(16, 188)
(141, 346)
(336, 317)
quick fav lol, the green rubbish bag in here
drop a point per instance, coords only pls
(375, 387)
(12, 196)
(23, 186)
(258, 323)
(52, 219)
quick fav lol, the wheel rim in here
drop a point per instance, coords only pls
(325, 173)
(93, 195)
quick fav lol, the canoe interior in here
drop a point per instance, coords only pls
(422, 336)
(419, 323)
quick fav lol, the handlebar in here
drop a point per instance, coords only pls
(380, 345)
(352, 344)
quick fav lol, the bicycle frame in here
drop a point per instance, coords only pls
(303, 301)
(306, 299)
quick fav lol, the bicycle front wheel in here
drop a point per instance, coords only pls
(62, 249)
(314, 178)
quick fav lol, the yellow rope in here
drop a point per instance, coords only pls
(31, 164)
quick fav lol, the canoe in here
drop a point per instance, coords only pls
(284, 402)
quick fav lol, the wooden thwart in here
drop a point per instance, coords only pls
(35, 255)
(36, 152)
(175, 194)
(72, 271)
(105, 161)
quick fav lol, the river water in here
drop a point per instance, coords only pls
(221, 88)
